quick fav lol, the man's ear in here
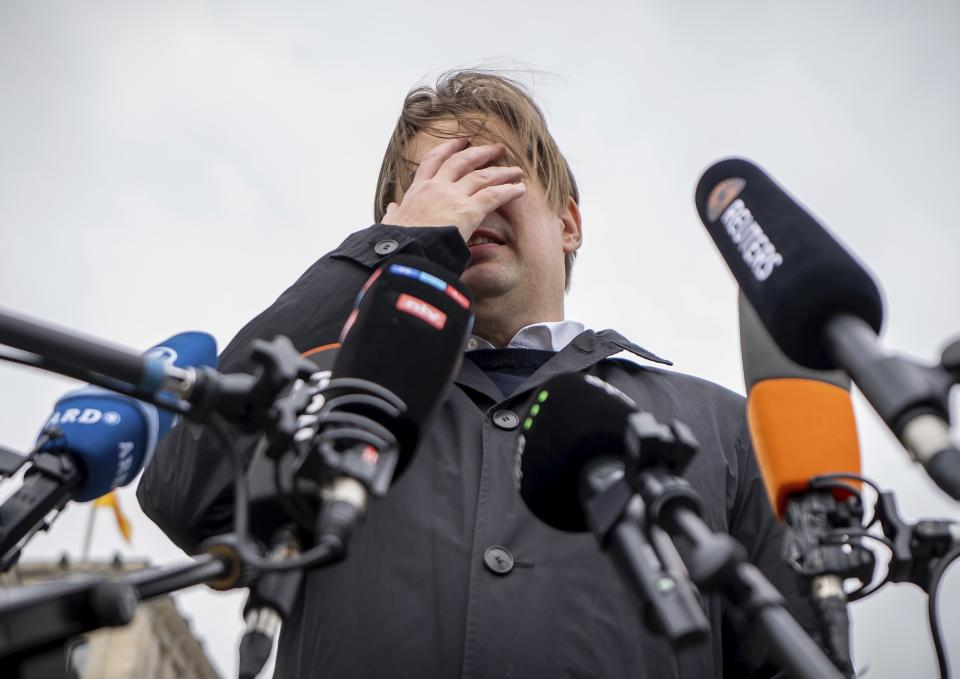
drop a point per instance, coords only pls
(572, 232)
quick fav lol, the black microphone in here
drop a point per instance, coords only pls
(584, 450)
(795, 274)
(822, 308)
(407, 333)
(553, 453)
(401, 347)
(570, 474)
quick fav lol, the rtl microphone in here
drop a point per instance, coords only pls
(802, 425)
(822, 308)
(407, 333)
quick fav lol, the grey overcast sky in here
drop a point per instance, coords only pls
(172, 166)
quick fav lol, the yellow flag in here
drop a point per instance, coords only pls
(111, 500)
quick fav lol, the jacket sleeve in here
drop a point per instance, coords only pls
(754, 524)
(186, 488)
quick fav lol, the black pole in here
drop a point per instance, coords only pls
(617, 517)
(790, 647)
(71, 348)
(38, 617)
(47, 486)
(718, 562)
(913, 400)
(154, 582)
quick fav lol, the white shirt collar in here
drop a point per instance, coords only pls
(547, 336)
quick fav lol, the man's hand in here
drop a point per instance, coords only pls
(457, 185)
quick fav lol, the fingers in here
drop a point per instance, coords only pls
(388, 213)
(435, 157)
(463, 162)
(493, 197)
(490, 176)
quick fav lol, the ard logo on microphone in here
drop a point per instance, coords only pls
(84, 416)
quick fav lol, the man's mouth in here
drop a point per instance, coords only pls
(484, 238)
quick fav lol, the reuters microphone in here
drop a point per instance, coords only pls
(823, 309)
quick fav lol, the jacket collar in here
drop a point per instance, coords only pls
(587, 349)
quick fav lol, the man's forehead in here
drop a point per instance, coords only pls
(481, 130)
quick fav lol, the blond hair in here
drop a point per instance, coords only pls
(472, 97)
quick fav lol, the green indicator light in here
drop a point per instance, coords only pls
(527, 423)
(666, 584)
(535, 410)
(542, 396)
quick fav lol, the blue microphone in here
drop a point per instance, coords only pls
(112, 436)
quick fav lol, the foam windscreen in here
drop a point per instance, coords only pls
(801, 421)
(795, 274)
(408, 332)
(572, 420)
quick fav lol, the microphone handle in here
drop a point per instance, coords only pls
(49, 485)
(788, 644)
(78, 351)
(830, 602)
(668, 600)
(911, 399)
(717, 562)
(39, 617)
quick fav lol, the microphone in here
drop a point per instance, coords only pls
(801, 421)
(66, 349)
(571, 475)
(822, 308)
(585, 453)
(559, 440)
(802, 425)
(94, 441)
(407, 334)
(112, 436)
(791, 269)
(401, 347)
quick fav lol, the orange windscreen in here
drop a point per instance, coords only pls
(801, 428)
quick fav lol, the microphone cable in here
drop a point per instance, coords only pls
(933, 611)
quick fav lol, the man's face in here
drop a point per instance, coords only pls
(518, 250)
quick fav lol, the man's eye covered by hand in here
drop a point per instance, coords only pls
(456, 183)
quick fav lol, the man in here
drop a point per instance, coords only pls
(450, 575)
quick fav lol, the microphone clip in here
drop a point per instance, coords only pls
(820, 542)
(917, 548)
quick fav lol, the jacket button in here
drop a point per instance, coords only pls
(386, 246)
(498, 559)
(506, 419)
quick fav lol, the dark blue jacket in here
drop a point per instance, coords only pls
(416, 597)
